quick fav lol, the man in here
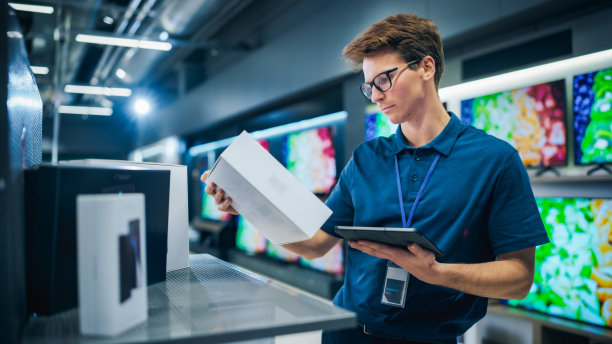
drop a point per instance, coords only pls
(468, 192)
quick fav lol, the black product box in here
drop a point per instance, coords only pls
(51, 243)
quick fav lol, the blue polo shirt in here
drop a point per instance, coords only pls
(477, 205)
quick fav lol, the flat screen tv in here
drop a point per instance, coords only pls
(531, 119)
(593, 117)
(209, 208)
(378, 124)
(280, 253)
(573, 273)
(332, 262)
(311, 157)
(248, 238)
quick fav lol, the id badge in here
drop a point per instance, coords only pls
(396, 284)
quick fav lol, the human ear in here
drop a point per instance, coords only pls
(429, 67)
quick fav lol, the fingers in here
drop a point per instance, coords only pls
(204, 176)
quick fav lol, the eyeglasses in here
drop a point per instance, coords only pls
(381, 81)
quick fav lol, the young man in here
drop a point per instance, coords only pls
(465, 190)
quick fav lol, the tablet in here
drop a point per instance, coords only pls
(388, 235)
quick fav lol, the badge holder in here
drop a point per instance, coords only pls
(396, 285)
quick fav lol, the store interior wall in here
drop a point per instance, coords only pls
(307, 54)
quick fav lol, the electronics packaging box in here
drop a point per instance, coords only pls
(51, 226)
(266, 194)
(178, 217)
(111, 263)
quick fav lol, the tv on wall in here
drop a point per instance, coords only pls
(531, 119)
(378, 124)
(573, 273)
(592, 95)
(310, 156)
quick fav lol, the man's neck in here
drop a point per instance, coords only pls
(425, 125)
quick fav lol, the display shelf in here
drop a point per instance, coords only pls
(212, 301)
(316, 282)
(547, 329)
(599, 186)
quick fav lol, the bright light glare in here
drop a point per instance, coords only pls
(31, 8)
(120, 73)
(123, 42)
(107, 91)
(142, 106)
(85, 110)
(39, 70)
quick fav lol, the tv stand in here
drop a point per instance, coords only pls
(599, 167)
(547, 169)
(510, 325)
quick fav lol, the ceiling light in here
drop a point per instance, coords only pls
(108, 20)
(40, 70)
(124, 42)
(31, 8)
(142, 106)
(98, 90)
(120, 73)
(85, 110)
(163, 35)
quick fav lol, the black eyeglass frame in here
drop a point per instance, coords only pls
(372, 84)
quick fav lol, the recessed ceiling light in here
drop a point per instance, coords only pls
(108, 20)
(85, 110)
(120, 73)
(40, 70)
(123, 42)
(31, 8)
(98, 90)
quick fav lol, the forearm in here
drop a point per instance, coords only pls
(501, 279)
(315, 247)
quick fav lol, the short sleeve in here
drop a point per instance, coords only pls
(340, 202)
(514, 220)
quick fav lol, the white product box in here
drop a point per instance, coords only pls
(178, 217)
(266, 194)
(112, 262)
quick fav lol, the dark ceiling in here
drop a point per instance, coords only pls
(205, 34)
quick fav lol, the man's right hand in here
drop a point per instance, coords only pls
(223, 202)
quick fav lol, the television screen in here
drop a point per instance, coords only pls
(248, 238)
(593, 117)
(531, 119)
(573, 273)
(332, 262)
(310, 156)
(280, 253)
(378, 124)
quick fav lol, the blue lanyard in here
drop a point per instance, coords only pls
(418, 197)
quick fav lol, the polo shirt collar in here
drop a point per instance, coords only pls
(443, 143)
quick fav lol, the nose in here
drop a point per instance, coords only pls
(377, 95)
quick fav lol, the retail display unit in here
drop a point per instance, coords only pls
(212, 301)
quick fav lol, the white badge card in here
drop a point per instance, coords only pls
(396, 284)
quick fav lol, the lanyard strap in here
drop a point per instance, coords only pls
(408, 222)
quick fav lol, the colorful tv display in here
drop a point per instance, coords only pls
(248, 238)
(531, 119)
(332, 262)
(573, 273)
(378, 124)
(310, 156)
(592, 95)
(280, 253)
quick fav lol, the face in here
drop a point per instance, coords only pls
(405, 93)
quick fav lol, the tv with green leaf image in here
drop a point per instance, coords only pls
(573, 273)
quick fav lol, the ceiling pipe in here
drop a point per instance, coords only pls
(142, 14)
(107, 51)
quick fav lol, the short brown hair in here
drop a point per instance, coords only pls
(411, 36)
